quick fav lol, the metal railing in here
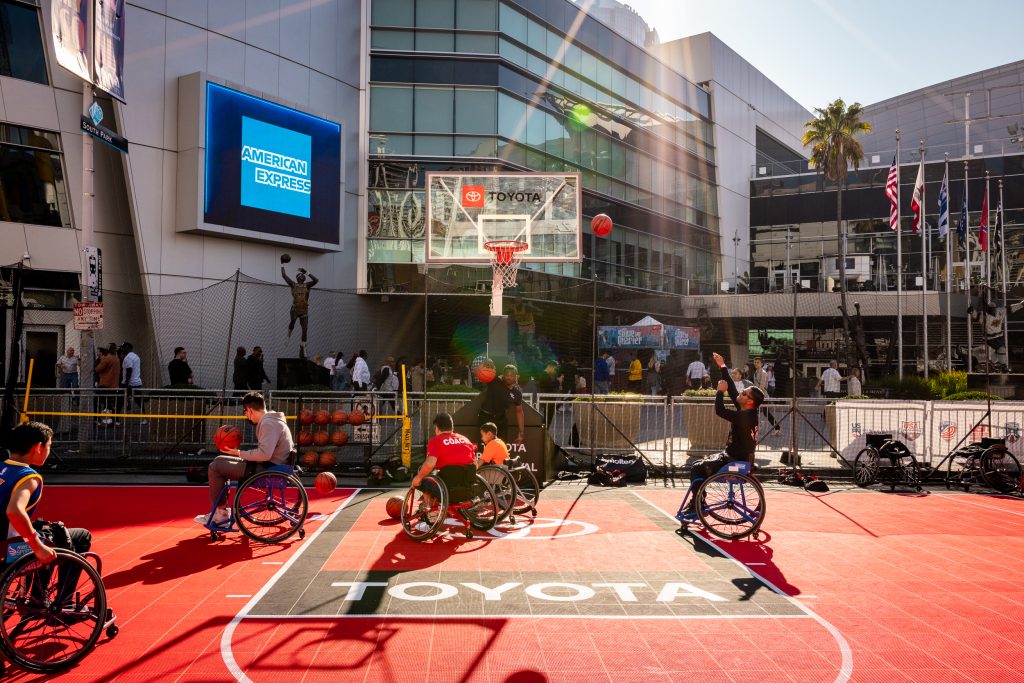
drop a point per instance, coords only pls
(167, 430)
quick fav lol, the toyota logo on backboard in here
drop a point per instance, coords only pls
(473, 196)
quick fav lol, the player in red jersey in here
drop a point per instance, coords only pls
(453, 456)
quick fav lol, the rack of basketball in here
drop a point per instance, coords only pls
(322, 432)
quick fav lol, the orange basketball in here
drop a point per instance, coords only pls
(321, 437)
(228, 437)
(601, 224)
(305, 437)
(305, 416)
(309, 458)
(326, 483)
(321, 417)
(394, 506)
(327, 460)
(356, 417)
(339, 438)
(339, 417)
(486, 374)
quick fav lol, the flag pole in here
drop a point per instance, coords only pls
(1002, 258)
(949, 278)
(988, 245)
(924, 262)
(899, 264)
(967, 263)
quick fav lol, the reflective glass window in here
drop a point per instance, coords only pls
(536, 37)
(535, 127)
(479, 15)
(512, 53)
(555, 136)
(392, 13)
(391, 108)
(390, 144)
(511, 118)
(573, 58)
(476, 111)
(433, 145)
(21, 43)
(472, 146)
(434, 111)
(513, 23)
(392, 40)
(435, 14)
(435, 41)
(32, 184)
(475, 43)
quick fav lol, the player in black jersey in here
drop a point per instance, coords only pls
(742, 436)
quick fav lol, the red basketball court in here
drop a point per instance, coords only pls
(851, 585)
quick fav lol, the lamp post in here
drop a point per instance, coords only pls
(735, 261)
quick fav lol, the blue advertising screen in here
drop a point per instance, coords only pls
(271, 169)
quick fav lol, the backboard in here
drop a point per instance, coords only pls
(466, 210)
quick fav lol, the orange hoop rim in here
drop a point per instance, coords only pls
(504, 251)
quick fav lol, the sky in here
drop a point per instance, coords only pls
(864, 51)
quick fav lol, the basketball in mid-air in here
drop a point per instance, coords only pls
(486, 373)
(394, 506)
(228, 437)
(326, 482)
(601, 224)
(285, 258)
(356, 417)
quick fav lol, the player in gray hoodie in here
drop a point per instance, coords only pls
(274, 444)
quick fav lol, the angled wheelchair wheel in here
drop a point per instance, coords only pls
(527, 491)
(731, 505)
(484, 513)
(865, 467)
(1000, 470)
(52, 614)
(270, 507)
(423, 519)
(504, 487)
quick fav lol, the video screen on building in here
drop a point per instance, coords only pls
(270, 168)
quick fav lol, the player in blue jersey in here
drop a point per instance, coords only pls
(21, 488)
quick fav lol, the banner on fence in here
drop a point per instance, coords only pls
(852, 421)
(951, 422)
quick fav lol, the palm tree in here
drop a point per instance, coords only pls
(832, 137)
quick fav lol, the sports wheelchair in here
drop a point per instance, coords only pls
(52, 614)
(472, 501)
(987, 462)
(515, 488)
(886, 460)
(730, 503)
(270, 504)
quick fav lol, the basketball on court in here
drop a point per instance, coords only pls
(339, 417)
(326, 482)
(228, 437)
(356, 417)
(394, 506)
(601, 225)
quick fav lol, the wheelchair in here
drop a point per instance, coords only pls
(474, 503)
(52, 614)
(515, 488)
(987, 463)
(730, 503)
(270, 505)
(899, 468)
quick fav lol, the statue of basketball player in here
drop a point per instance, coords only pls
(992, 315)
(300, 302)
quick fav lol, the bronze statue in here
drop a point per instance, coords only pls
(300, 302)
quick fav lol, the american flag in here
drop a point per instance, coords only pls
(892, 189)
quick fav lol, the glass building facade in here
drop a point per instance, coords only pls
(540, 86)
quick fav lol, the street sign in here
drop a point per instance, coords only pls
(104, 135)
(88, 315)
(94, 273)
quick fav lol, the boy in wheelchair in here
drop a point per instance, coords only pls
(742, 435)
(453, 456)
(274, 447)
(21, 489)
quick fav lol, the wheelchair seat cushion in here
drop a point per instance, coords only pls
(459, 480)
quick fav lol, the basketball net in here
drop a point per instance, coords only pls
(505, 264)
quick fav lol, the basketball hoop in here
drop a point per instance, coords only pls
(504, 261)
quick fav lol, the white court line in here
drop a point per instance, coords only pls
(225, 639)
(478, 617)
(247, 595)
(846, 667)
(275, 562)
(957, 499)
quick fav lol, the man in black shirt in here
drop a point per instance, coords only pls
(178, 369)
(743, 435)
(498, 396)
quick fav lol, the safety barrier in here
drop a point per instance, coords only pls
(152, 429)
